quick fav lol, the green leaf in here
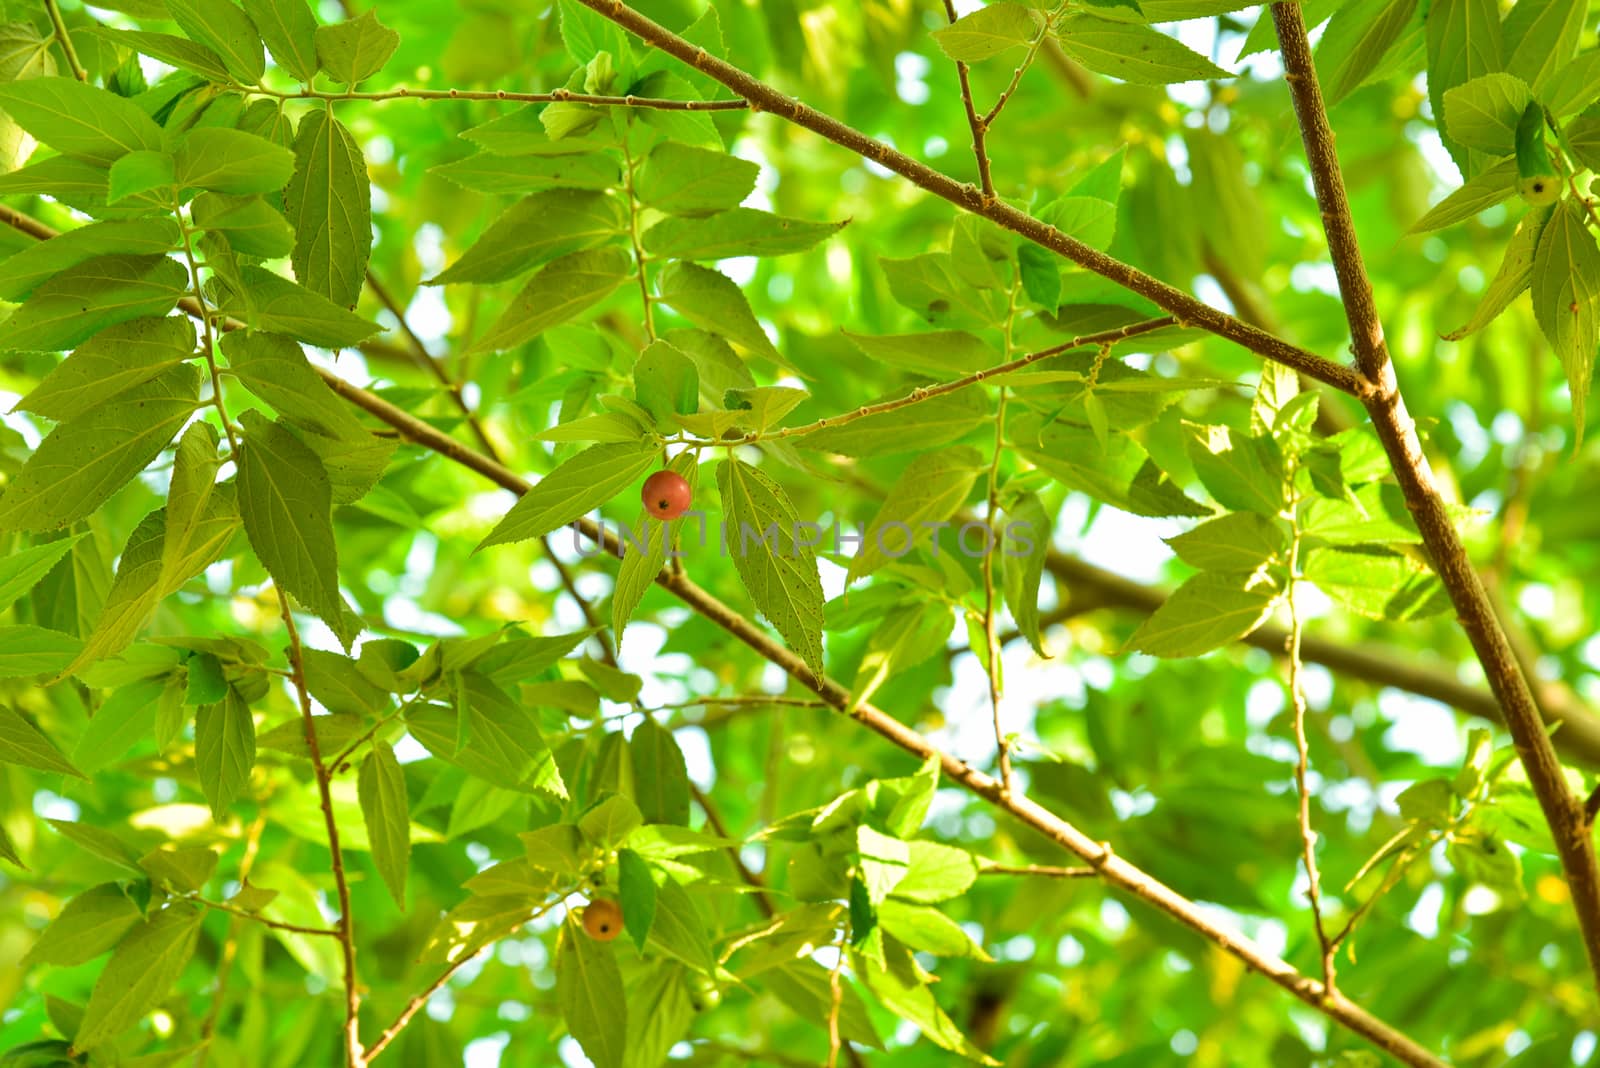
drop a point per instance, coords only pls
(1242, 473)
(1120, 473)
(356, 49)
(778, 570)
(490, 173)
(82, 462)
(660, 775)
(935, 873)
(85, 299)
(1566, 301)
(290, 32)
(1541, 38)
(231, 161)
(987, 32)
(639, 569)
(1486, 190)
(593, 1001)
(206, 682)
(524, 659)
(807, 989)
(736, 232)
(329, 202)
(279, 306)
(340, 687)
(287, 505)
(534, 231)
(183, 868)
(1377, 584)
(1024, 544)
(79, 120)
(23, 744)
(609, 823)
(144, 575)
(577, 486)
(1583, 137)
(1573, 87)
(560, 290)
(1134, 53)
(227, 31)
(382, 788)
(26, 270)
(1356, 41)
(1483, 113)
(905, 995)
(929, 930)
(711, 301)
(224, 751)
(666, 381)
(932, 422)
(504, 746)
(20, 571)
(138, 173)
(1240, 541)
(682, 180)
(637, 891)
(87, 926)
(175, 51)
(1210, 610)
(275, 369)
(1463, 43)
(1226, 202)
(935, 352)
(24, 54)
(143, 968)
(883, 862)
(251, 226)
(1513, 277)
(931, 489)
(1041, 275)
(679, 930)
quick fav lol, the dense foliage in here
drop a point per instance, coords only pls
(1051, 668)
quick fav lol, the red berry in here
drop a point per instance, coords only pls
(602, 920)
(666, 495)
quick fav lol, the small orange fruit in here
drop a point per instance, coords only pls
(602, 920)
(666, 495)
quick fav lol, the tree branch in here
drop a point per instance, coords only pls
(1112, 868)
(974, 123)
(355, 1055)
(1380, 393)
(65, 40)
(1190, 311)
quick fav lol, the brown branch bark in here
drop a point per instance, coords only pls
(1116, 871)
(1190, 311)
(1380, 393)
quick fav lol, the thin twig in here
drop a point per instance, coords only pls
(65, 40)
(230, 942)
(1047, 871)
(1188, 309)
(277, 925)
(435, 367)
(1297, 702)
(554, 96)
(752, 878)
(1380, 393)
(355, 1056)
(415, 1005)
(991, 635)
(976, 124)
(925, 393)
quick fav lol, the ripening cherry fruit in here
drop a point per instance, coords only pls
(602, 920)
(666, 495)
